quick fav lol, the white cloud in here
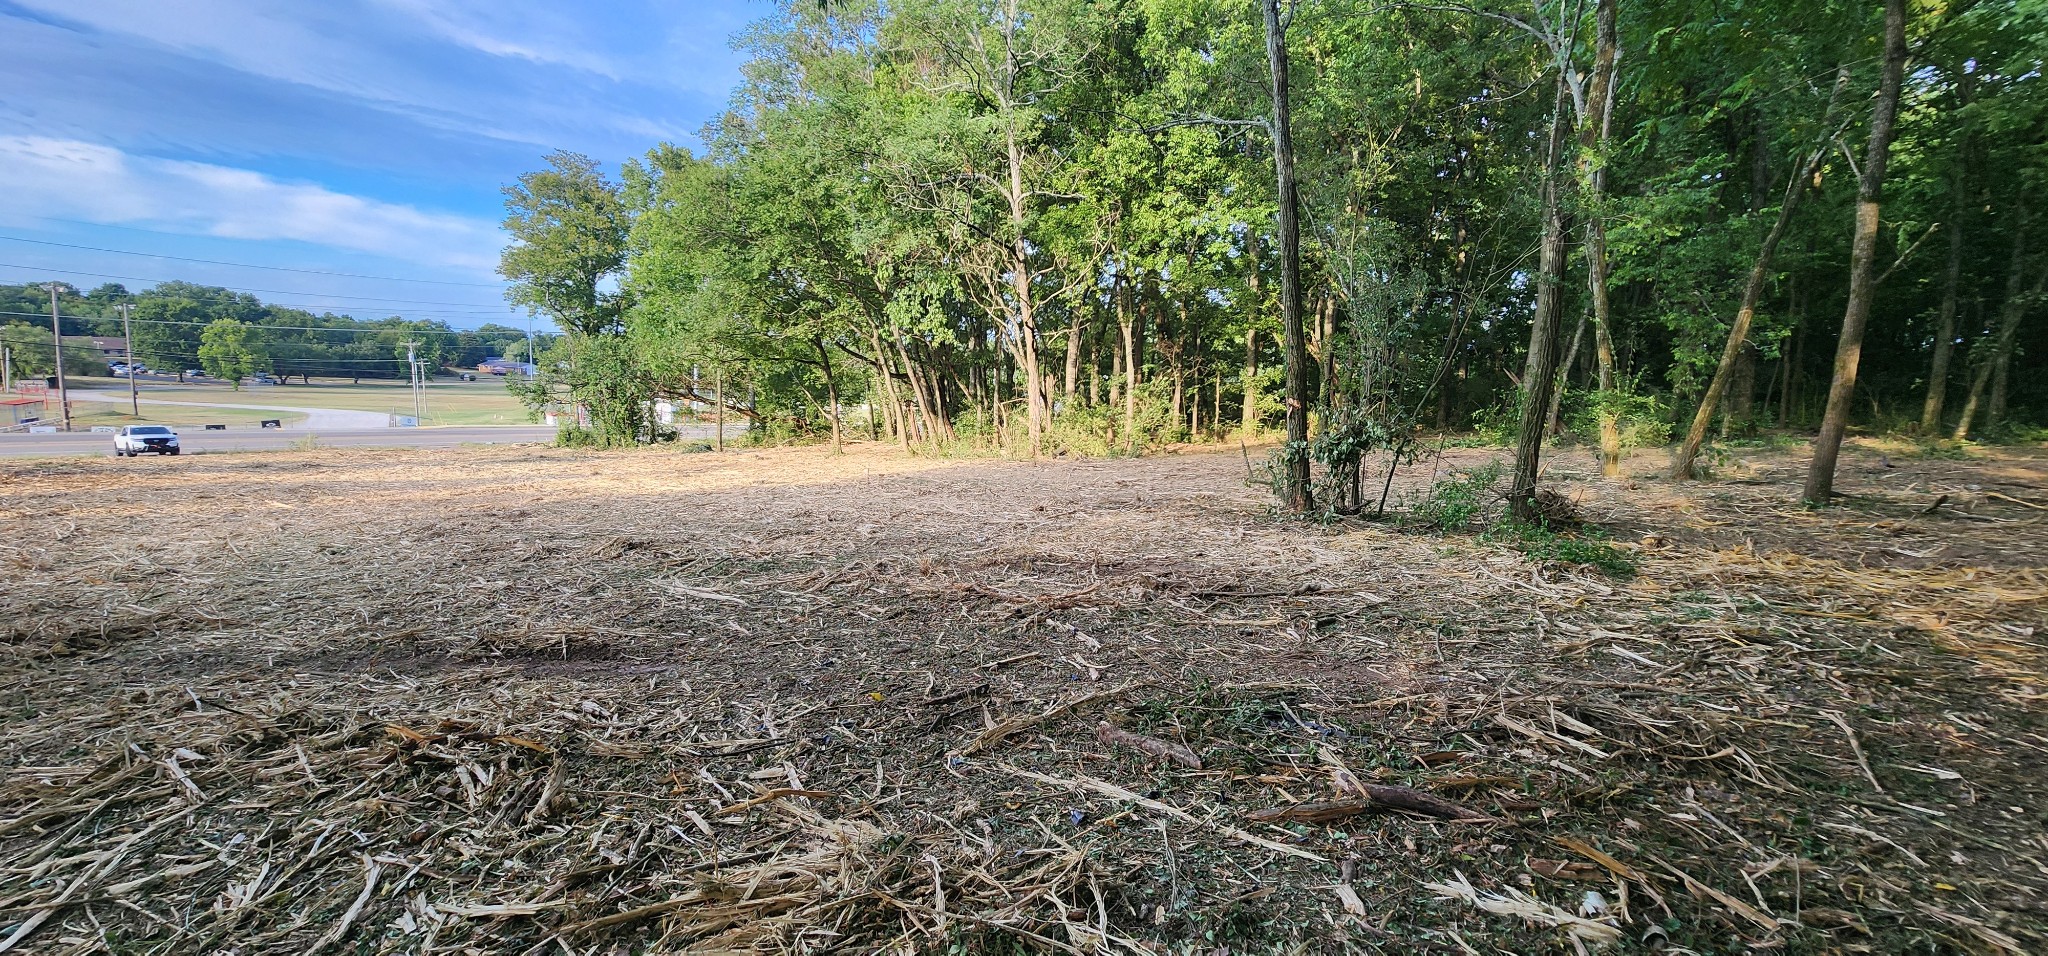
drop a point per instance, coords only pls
(70, 179)
(522, 74)
(495, 28)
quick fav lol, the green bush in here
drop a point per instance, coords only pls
(1452, 504)
(1644, 419)
(1586, 547)
(1500, 423)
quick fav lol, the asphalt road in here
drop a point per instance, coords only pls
(200, 441)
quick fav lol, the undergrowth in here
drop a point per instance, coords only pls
(1472, 499)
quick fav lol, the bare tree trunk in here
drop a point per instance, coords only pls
(1326, 323)
(1682, 462)
(1827, 446)
(1075, 332)
(1564, 373)
(1250, 423)
(1096, 331)
(1541, 367)
(1945, 329)
(831, 393)
(1216, 403)
(1295, 481)
(1999, 348)
(895, 402)
(1593, 136)
(1127, 317)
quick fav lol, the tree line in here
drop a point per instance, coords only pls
(178, 326)
(1091, 225)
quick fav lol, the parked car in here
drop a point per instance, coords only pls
(133, 440)
(194, 373)
(264, 380)
(118, 368)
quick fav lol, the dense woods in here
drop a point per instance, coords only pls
(170, 320)
(1054, 226)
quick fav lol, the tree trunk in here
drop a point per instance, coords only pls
(1999, 348)
(831, 393)
(1944, 328)
(1952, 277)
(1827, 446)
(1682, 462)
(1127, 317)
(1250, 423)
(1593, 136)
(1075, 332)
(1554, 419)
(1295, 480)
(1541, 367)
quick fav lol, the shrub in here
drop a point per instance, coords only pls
(1539, 542)
(1454, 503)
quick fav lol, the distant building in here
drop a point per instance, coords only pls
(111, 345)
(503, 366)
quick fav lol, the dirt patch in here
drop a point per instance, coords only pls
(769, 701)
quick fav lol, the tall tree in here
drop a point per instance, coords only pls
(568, 225)
(1295, 479)
(1820, 476)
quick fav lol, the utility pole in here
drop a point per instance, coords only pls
(57, 335)
(412, 364)
(6, 368)
(128, 337)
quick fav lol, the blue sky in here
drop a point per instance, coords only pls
(359, 136)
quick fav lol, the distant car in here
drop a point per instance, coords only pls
(194, 373)
(265, 380)
(133, 440)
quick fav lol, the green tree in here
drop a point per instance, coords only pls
(568, 225)
(231, 349)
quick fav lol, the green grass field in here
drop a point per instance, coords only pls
(449, 402)
(87, 414)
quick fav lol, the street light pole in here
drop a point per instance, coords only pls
(57, 335)
(128, 339)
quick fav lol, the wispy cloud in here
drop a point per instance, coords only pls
(71, 179)
(522, 72)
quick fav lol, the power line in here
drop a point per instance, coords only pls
(369, 298)
(281, 328)
(167, 353)
(250, 265)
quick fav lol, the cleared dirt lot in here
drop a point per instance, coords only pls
(773, 701)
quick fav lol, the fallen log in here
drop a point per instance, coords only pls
(1113, 735)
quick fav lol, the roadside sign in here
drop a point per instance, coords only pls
(102, 429)
(404, 421)
(42, 429)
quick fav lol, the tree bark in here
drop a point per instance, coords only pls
(1593, 136)
(1250, 423)
(1827, 446)
(1541, 367)
(1075, 332)
(1295, 479)
(1127, 317)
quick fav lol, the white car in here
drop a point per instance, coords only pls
(133, 440)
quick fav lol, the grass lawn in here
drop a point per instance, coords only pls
(86, 414)
(449, 402)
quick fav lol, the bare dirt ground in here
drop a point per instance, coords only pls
(556, 701)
